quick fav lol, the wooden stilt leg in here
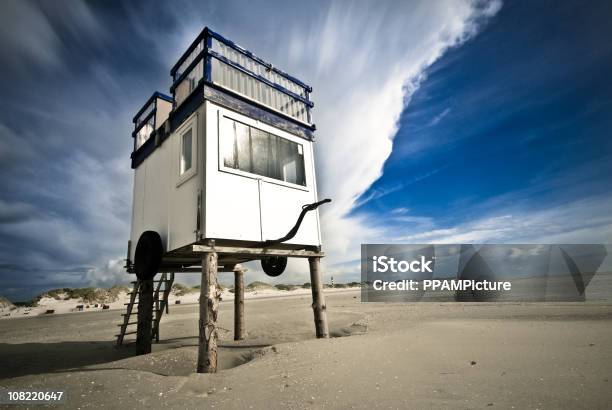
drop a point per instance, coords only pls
(145, 317)
(318, 299)
(239, 302)
(209, 307)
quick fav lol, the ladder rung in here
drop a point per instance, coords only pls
(133, 312)
(155, 281)
(132, 293)
(136, 302)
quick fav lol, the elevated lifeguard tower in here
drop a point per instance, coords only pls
(223, 174)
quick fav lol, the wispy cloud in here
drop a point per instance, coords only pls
(400, 211)
(380, 56)
(33, 33)
(587, 220)
(28, 35)
(377, 193)
(435, 120)
(581, 221)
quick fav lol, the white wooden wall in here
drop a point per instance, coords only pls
(235, 205)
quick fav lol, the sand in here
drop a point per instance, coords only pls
(420, 355)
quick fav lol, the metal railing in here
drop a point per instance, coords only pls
(219, 61)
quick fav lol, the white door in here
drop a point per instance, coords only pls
(232, 200)
(292, 186)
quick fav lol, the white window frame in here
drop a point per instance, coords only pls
(257, 124)
(190, 124)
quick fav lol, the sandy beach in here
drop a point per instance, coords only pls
(421, 355)
(61, 306)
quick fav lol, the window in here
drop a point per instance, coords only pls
(258, 152)
(186, 152)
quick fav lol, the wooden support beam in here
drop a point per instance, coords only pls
(191, 269)
(239, 302)
(318, 298)
(209, 307)
(257, 252)
(145, 317)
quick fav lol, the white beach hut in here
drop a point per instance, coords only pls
(228, 158)
(224, 167)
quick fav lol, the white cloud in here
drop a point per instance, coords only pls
(435, 120)
(29, 31)
(400, 211)
(111, 273)
(368, 61)
(586, 220)
(580, 221)
(378, 193)
(26, 34)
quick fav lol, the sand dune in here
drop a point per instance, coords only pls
(69, 305)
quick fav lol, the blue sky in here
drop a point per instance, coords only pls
(517, 118)
(440, 121)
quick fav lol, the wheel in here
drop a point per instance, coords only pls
(148, 256)
(274, 265)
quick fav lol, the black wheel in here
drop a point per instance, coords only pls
(148, 256)
(274, 265)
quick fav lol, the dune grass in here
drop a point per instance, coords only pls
(86, 295)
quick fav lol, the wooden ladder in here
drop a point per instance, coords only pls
(160, 305)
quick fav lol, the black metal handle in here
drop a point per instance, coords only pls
(305, 209)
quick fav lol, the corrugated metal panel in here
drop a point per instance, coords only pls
(144, 133)
(234, 79)
(236, 69)
(145, 113)
(194, 53)
(189, 83)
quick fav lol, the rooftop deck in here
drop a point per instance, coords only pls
(221, 62)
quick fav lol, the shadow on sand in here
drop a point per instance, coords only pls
(37, 358)
(177, 357)
(172, 356)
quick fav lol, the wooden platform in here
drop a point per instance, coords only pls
(230, 253)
